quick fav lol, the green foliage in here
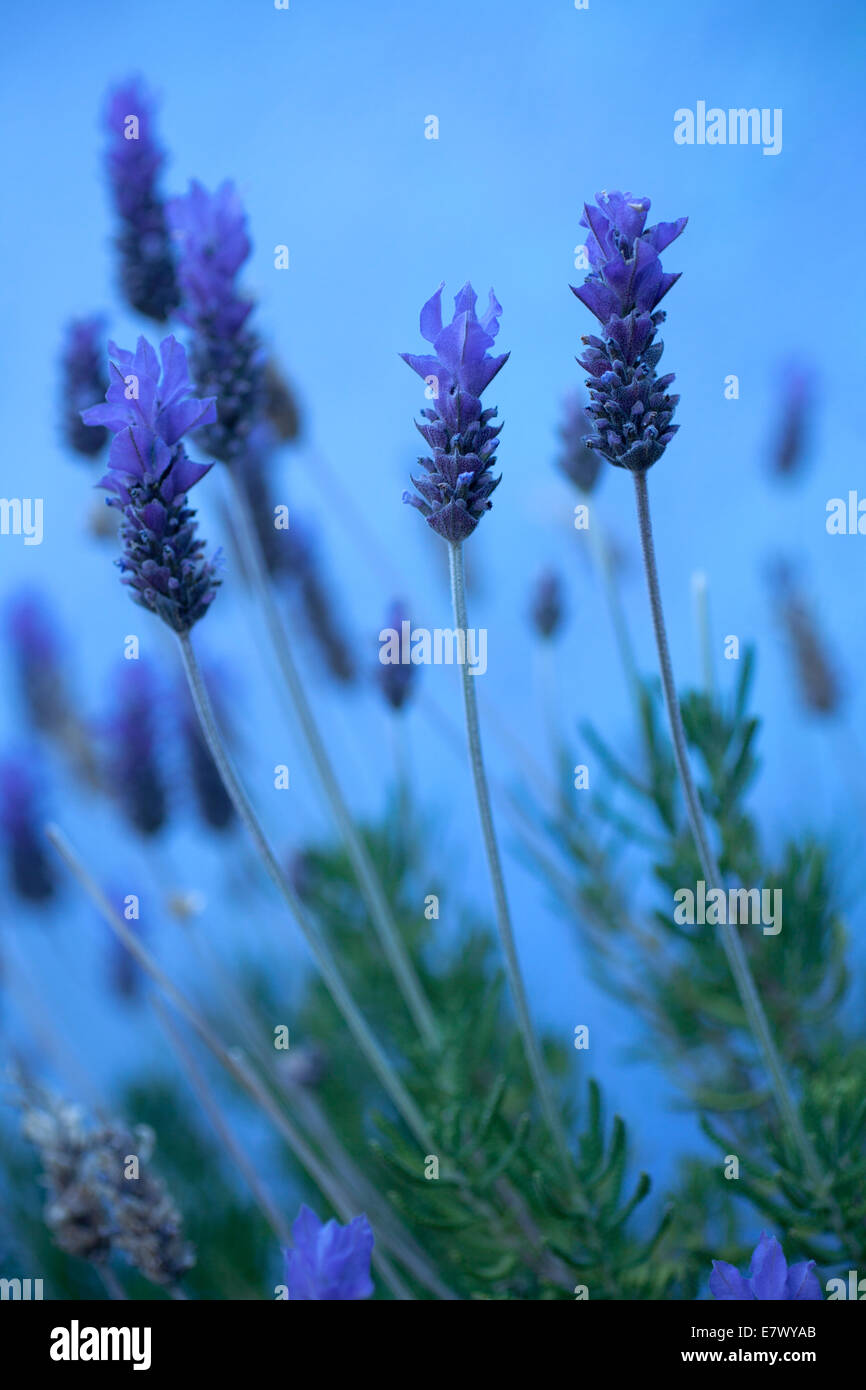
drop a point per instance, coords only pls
(620, 863)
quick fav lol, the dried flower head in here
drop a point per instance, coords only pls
(770, 1276)
(96, 1207)
(329, 1262)
(455, 493)
(148, 408)
(630, 410)
(134, 159)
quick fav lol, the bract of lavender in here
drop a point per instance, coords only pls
(428, 1142)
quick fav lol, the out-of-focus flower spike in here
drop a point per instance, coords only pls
(794, 425)
(580, 464)
(134, 159)
(396, 678)
(817, 678)
(83, 379)
(31, 871)
(134, 772)
(210, 232)
(548, 608)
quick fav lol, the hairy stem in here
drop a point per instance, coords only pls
(362, 866)
(730, 937)
(494, 864)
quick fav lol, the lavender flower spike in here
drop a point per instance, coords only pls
(629, 409)
(770, 1276)
(455, 494)
(329, 1262)
(148, 409)
(134, 159)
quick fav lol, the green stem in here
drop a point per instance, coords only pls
(359, 858)
(491, 847)
(328, 967)
(730, 937)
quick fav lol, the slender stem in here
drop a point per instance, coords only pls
(731, 941)
(321, 953)
(603, 557)
(494, 863)
(232, 1059)
(209, 1105)
(362, 866)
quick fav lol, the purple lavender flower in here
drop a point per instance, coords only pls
(547, 609)
(329, 1262)
(148, 410)
(84, 379)
(629, 408)
(134, 159)
(769, 1277)
(455, 494)
(134, 771)
(396, 678)
(30, 871)
(211, 235)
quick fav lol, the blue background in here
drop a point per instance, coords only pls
(319, 113)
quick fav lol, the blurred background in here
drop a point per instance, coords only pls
(318, 112)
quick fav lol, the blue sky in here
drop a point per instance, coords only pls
(319, 114)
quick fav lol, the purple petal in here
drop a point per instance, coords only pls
(768, 1268)
(802, 1284)
(431, 316)
(726, 1282)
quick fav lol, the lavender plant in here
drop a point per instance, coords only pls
(453, 1152)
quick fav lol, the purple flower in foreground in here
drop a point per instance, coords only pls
(83, 380)
(629, 409)
(770, 1277)
(148, 409)
(211, 235)
(329, 1262)
(134, 159)
(456, 491)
